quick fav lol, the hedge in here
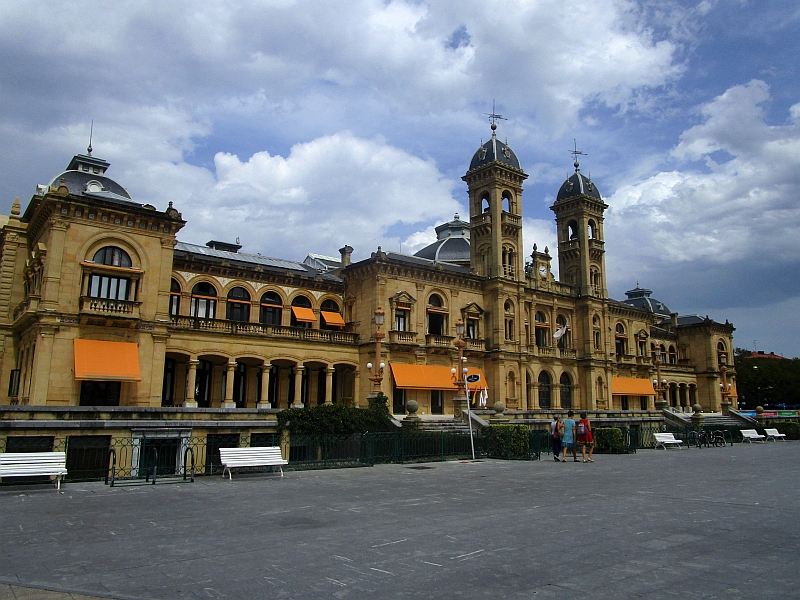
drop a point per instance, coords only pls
(498, 438)
(338, 418)
(608, 439)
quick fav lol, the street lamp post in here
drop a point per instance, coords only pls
(376, 372)
(458, 374)
(659, 384)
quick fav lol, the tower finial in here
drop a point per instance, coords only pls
(576, 153)
(494, 117)
(91, 131)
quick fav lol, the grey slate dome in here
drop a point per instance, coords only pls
(494, 150)
(85, 176)
(640, 298)
(451, 245)
(577, 184)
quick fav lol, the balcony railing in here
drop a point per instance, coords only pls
(543, 350)
(403, 337)
(31, 303)
(567, 353)
(108, 307)
(511, 219)
(442, 341)
(473, 344)
(483, 218)
(274, 331)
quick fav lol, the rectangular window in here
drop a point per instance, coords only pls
(108, 288)
(13, 384)
(203, 308)
(100, 393)
(401, 320)
(271, 315)
(472, 329)
(174, 304)
(437, 402)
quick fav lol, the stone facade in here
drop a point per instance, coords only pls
(220, 329)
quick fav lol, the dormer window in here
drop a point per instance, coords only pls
(94, 186)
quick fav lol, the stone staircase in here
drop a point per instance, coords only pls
(710, 420)
(451, 425)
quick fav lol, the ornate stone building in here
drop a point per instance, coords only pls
(101, 305)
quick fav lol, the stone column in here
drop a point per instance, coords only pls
(535, 396)
(191, 386)
(41, 367)
(356, 388)
(265, 373)
(298, 387)
(555, 396)
(329, 385)
(229, 403)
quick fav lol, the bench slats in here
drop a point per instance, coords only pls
(28, 464)
(265, 456)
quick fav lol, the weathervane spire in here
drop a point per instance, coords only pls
(494, 117)
(91, 131)
(576, 153)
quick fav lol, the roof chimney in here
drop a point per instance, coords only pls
(346, 252)
(674, 318)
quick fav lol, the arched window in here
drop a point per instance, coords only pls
(204, 301)
(508, 307)
(110, 285)
(511, 385)
(620, 340)
(673, 356)
(508, 261)
(302, 315)
(485, 206)
(663, 352)
(331, 318)
(542, 329)
(238, 305)
(566, 390)
(112, 256)
(563, 341)
(592, 230)
(174, 298)
(597, 332)
(507, 202)
(437, 315)
(544, 390)
(271, 310)
(722, 353)
(572, 230)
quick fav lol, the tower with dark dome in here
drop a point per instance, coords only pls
(494, 182)
(579, 220)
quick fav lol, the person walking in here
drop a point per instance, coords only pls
(555, 436)
(585, 437)
(568, 438)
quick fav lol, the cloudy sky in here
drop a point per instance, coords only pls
(299, 126)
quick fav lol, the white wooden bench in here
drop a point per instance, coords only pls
(774, 435)
(751, 435)
(265, 456)
(667, 439)
(34, 464)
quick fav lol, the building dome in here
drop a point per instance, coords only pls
(451, 245)
(85, 176)
(577, 184)
(494, 150)
(639, 297)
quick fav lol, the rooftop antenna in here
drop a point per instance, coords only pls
(576, 153)
(91, 131)
(494, 117)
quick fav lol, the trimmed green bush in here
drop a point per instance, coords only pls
(790, 428)
(508, 441)
(338, 418)
(608, 439)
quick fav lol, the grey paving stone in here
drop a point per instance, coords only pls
(711, 523)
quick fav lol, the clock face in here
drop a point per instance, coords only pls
(543, 270)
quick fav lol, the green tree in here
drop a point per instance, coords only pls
(766, 382)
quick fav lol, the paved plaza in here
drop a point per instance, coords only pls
(710, 523)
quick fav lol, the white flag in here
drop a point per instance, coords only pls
(562, 329)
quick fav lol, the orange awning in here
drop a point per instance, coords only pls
(332, 318)
(106, 361)
(304, 315)
(427, 377)
(630, 386)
